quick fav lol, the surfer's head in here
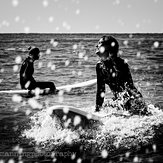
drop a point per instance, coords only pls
(107, 47)
(34, 52)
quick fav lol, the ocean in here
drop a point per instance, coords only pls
(28, 134)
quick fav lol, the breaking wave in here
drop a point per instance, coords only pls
(119, 130)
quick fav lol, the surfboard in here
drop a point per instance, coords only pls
(64, 88)
(74, 117)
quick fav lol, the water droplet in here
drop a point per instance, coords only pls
(15, 68)
(89, 116)
(51, 41)
(102, 94)
(113, 44)
(102, 49)
(126, 60)
(40, 65)
(75, 46)
(79, 160)
(17, 18)
(154, 147)
(28, 112)
(18, 60)
(68, 139)
(138, 54)
(77, 12)
(34, 104)
(2, 70)
(104, 153)
(86, 58)
(113, 74)
(81, 54)
(64, 24)
(60, 99)
(16, 109)
(137, 25)
(97, 27)
(65, 110)
(148, 84)
(136, 159)
(45, 3)
(26, 29)
(73, 156)
(156, 44)
(67, 62)
(15, 3)
(79, 73)
(5, 23)
(27, 84)
(77, 120)
(48, 51)
(51, 19)
(16, 98)
(55, 43)
(37, 91)
(127, 154)
(125, 42)
(120, 52)
(53, 67)
(49, 64)
(57, 29)
(128, 6)
(11, 161)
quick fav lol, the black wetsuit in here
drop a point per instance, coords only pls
(117, 75)
(26, 77)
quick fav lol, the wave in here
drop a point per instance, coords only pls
(17, 49)
(119, 131)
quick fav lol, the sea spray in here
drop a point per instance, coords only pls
(119, 131)
(44, 128)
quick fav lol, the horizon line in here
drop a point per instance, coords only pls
(81, 33)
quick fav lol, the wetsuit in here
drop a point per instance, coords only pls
(26, 77)
(117, 75)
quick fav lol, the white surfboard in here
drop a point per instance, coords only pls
(78, 85)
(65, 88)
(74, 117)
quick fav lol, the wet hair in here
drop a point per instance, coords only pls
(110, 43)
(34, 51)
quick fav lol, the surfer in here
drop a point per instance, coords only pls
(114, 71)
(26, 73)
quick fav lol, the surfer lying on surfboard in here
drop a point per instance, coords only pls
(114, 71)
(26, 73)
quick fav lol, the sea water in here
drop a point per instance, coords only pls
(29, 133)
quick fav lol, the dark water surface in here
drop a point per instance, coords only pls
(68, 59)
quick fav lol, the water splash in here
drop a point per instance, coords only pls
(120, 130)
(45, 128)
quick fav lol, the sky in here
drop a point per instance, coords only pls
(81, 16)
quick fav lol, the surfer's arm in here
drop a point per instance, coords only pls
(26, 73)
(130, 84)
(100, 88)
(128, 77)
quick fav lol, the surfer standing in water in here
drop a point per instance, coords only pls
(26, 73)
(114, 71)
